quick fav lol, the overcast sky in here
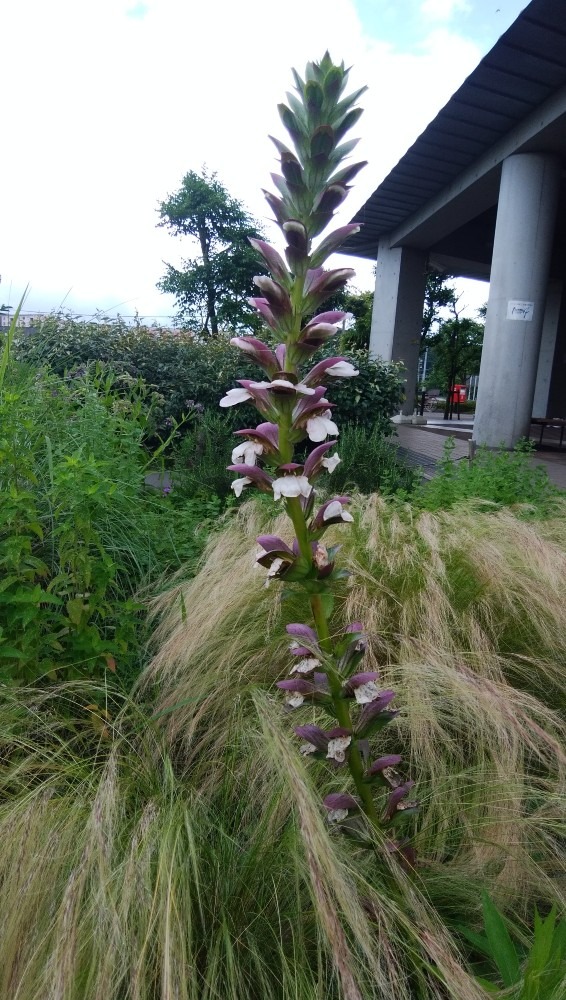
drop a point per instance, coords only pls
(106, 105)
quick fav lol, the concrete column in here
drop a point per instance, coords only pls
(397, 315)
(547, 349)
(556, 406)
(526, 216)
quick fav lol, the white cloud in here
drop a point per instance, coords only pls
(111, 103)
(444, 10)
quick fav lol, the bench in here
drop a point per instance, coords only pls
(556, 422)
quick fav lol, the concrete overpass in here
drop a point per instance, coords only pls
(482, 194)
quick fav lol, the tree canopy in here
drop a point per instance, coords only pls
(211, 289)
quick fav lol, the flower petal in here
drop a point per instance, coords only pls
(238, 484)
(319, 427)
(306, 666)
(291, 486)
(340, 800)
(302, 631)
(234, 396)
(257, 350)
(390, 760)
(337, 748)
(395, 798)
(314, 735)
(331, 462)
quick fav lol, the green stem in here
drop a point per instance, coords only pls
(342, 712)
(297, 515)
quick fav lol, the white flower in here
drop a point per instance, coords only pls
(247, 451)
(331, 462)
(342, 369)
(275, 567)
(307, 748)
(291, 486)
(318, 428)
(295, 700)
(337, 748)
(234, 396)
(238, 484)
(366, 693)
(335, 509)
(306, 666)
(303, 390)
(283, 383)
(337, 815)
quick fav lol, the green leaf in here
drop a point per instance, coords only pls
(490, 987)
(478, 941)
(75, 608)
(539, 956)
(501, 946)
(327, 601)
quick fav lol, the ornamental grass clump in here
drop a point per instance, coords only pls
(292, 401)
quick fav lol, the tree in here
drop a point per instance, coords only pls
(457, 352)
(438, 296)
(211, 290)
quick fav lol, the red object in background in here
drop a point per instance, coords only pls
(459, 393)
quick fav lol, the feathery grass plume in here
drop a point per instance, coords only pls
(481, 676)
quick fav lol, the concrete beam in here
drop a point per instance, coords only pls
(475, 189)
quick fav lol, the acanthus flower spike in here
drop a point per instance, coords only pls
(326, 666)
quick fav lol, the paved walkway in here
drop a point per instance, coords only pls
(424, 446)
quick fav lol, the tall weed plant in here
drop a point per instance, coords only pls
(79, 532)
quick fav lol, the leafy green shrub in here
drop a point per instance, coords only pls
(185, 371)
(79, 532)
(182, 369)
(370, 399)
(504, 478)
(369, 463)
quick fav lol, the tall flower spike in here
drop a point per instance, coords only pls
(326, 671)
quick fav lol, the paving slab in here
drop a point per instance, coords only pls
(424, 446)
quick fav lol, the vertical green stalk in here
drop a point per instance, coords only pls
(342, 712)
